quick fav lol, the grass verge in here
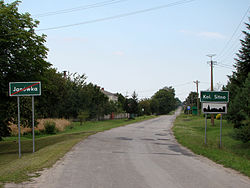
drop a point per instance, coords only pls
(49, 148)
(190, 132)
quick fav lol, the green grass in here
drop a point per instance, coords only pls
(190, 132)
(49, 148)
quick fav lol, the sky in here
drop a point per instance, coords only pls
(142, 45)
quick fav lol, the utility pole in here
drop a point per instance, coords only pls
(212, 63)
(197, 87)
(65, 75)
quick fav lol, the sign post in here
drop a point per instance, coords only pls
(25, 89)
(33, 124)
(19, 131)
(220, 129)
(205, 129)
(214, 102)
(188, 108)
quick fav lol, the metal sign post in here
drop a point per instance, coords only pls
(214, 102)
(19, 131)
(220, 129)
(205, 129)
(33, 123)
(188, 108)
(25, 89)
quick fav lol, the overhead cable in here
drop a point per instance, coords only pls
(236, 29)
(120, 15)
(90, 6)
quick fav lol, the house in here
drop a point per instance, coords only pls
(111, 96)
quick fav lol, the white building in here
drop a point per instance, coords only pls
(111, 96)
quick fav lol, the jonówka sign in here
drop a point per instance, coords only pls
(25, 88)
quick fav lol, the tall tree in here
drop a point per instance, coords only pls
(238, 111)
(166, 100)
(22, 56)
(131, 104)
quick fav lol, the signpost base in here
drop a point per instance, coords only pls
(19, 130)
(206, 129)
(33, 123)
(220, 130)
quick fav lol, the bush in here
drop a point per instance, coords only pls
(243, 133)
(50, 127)
(82, 116)
(37, 132)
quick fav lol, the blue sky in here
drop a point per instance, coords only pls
(143, 52)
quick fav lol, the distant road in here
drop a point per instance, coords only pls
(140, 155)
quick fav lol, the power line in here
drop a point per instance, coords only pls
(90, 6)
(222, 66)
(236, 29)
(180, 85)
(120, 15)
(231, 49)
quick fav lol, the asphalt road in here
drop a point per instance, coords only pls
(141, 155)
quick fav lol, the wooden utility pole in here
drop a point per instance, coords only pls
(198, 101)
(212, 63)
(65, 75)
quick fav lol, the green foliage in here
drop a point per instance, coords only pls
(82, 116)
(239, 107)
(239, 87)
(144, 107)
(131, 104)
(243, 133)
(164, 100)
(154, 106)
(191, 100)
(121, 100)
(22, 58)
(50, 127)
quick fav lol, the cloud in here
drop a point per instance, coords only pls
(74, 39)
(119, 53)
(213, 35)
(69, 39)
(204, 34)
(187, 32)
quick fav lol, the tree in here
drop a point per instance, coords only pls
(22, 57)
(154, 106)
(238, 108)
(83, 115)
(144, 107)
(242, 104)
(121, 102)
(166, 100)
(191, 100)
(131, 105)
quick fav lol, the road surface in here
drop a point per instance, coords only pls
(140, 155)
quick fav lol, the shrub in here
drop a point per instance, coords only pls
(82, 116)
(243, 133)
(50, 127)
(37, 132)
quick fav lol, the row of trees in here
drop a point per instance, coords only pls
(162, 102)
(23, 58)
